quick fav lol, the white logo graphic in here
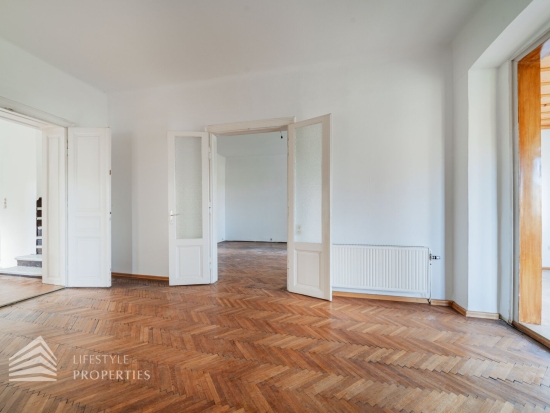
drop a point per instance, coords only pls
(35, 362)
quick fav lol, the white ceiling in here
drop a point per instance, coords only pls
(259, 144)
(118, 45)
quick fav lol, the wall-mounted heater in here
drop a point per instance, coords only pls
(384, 270)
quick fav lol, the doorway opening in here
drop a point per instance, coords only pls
(252, 209)
(193, 204)
(72, 219)
(21, 213)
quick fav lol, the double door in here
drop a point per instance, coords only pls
(191, 189)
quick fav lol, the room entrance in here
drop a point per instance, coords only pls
(194, 215)
(252, 209)
(21, 214)
(66, 232)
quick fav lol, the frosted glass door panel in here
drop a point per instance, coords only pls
(188, 186)
(308, 184)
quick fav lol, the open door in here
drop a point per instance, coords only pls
(309, 211)
(89, 207)
(189, 208)
(54, 206)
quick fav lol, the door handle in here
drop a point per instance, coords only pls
(172, 215)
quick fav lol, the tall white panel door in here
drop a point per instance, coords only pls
(309, 212)
(189, 208)
(54, 206)
(89, 207)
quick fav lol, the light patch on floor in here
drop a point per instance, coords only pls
(14, 289)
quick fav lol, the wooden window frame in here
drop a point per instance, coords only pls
(530, 188)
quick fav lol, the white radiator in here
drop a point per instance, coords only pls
(386, 270)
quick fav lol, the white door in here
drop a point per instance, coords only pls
(189, 208)
(309, 212)
(89, 207)
(54, 206)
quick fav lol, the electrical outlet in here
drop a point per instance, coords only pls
(6, 205)
(298, 229)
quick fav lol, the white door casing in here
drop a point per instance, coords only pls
(54, 205)
(89, 207)
(189, 215)
(309, 211)
(213, 155)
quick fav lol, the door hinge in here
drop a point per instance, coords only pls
(109, 172)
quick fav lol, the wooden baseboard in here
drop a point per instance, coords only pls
(139, 276)
(381, 297)
(481, 314)
(474, 314)
(460, 310)
(528, 332)
(442, 303)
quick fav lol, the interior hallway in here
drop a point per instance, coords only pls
(245, 342)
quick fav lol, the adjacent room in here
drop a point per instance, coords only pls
(20, 213)
(251, 217)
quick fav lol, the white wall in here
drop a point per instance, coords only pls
(482, 191)
(256, 198)
(29, 80)
(391, 129)
(256, 186)
(18, 185)
(476, 36)
(483, 160)
(221, 198)
(545, 166)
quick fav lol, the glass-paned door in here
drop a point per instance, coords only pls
(188, 203)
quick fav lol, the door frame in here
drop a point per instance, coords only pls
(22, 114)
(232, 129)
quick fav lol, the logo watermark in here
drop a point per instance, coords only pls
(120, 372)
(35, 362)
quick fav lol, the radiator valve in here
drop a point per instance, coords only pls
(435, 257)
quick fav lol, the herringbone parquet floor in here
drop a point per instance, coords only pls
(245, 344)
